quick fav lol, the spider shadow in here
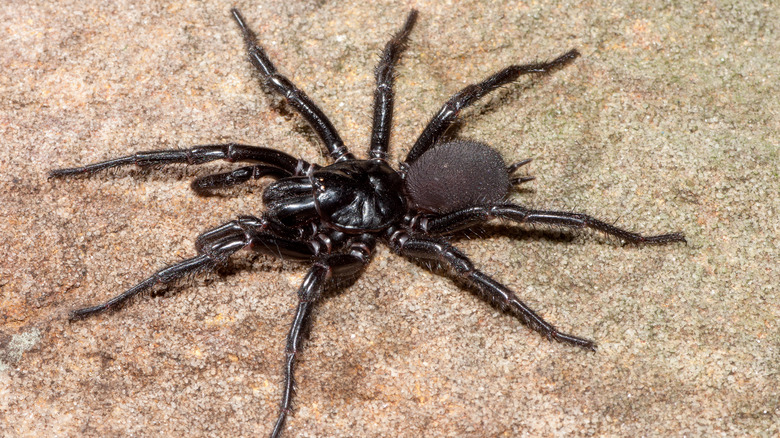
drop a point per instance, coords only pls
(556, 235)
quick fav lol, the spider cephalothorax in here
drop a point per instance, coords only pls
(332, 217)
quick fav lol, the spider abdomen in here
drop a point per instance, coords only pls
(455, 175)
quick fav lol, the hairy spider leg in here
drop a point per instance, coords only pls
(214, 247)
(230, 152)
(471, 216)
(471, 93)
(384, 94)
(326, 267)
(438, 250)
(294, 96)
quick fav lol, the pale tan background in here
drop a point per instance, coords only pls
(668, 122)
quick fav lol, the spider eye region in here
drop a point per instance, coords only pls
(359, 195)
(456, 175)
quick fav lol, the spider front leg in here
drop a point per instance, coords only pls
(438, 250)
(214, 248)
(471, 216)
(471, 93)
(230, 152)
(326, 267)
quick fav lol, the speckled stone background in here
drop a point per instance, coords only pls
(669, 121)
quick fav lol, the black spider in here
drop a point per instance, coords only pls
(332, 217)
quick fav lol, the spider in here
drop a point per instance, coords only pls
(331, 217)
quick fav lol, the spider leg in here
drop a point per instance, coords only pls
(292, 94)
(438, 250)
(204, 184)
(326, 267)
(465, 218)
(471, 93)
(230, 152)
(383, 96)
(214, 247)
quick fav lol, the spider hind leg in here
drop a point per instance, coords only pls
(438, 250)
(471, 216)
